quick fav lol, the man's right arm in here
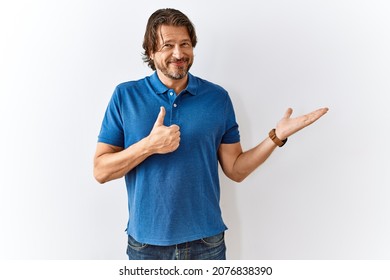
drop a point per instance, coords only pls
(113, 162)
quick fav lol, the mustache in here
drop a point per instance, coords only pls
(178, 60)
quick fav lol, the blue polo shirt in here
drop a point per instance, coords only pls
(172, 198)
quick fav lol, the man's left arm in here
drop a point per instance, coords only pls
(237, 164)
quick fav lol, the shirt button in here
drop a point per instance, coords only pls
(171, 93)
(175, 105)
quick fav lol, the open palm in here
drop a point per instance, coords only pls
(287, 126)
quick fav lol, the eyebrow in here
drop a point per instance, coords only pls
(173, 41)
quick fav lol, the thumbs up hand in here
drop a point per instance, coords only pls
(163, 139)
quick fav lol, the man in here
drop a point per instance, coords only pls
(166, 134)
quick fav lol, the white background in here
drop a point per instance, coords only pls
(325, 195)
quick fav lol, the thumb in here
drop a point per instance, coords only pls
(288, 113)
(160, 117)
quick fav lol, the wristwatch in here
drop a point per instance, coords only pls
(276, 140)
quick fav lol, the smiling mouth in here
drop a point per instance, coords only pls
(179, 63)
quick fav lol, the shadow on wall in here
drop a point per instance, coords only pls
(230, 213)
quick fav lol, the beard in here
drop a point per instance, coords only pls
(173, 72)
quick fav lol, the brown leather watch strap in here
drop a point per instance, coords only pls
(276, 140)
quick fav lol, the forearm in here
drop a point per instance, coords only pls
(113, 165)
(249, 160)
(237, 165)
(112, 162)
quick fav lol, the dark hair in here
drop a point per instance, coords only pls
(164, 17)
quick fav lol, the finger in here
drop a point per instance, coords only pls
(323, 111)
(174, 127)
(319, 113)
(314, 116)
(160, 117)
(288, 113)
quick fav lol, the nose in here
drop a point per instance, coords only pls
(177, 52)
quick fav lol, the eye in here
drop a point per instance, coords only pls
(167, 46)
(186, 45)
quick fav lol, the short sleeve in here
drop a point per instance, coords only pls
(111, 131)
(232, 134)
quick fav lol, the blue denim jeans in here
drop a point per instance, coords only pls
(210, 248)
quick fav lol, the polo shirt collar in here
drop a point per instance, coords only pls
(160, 88)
